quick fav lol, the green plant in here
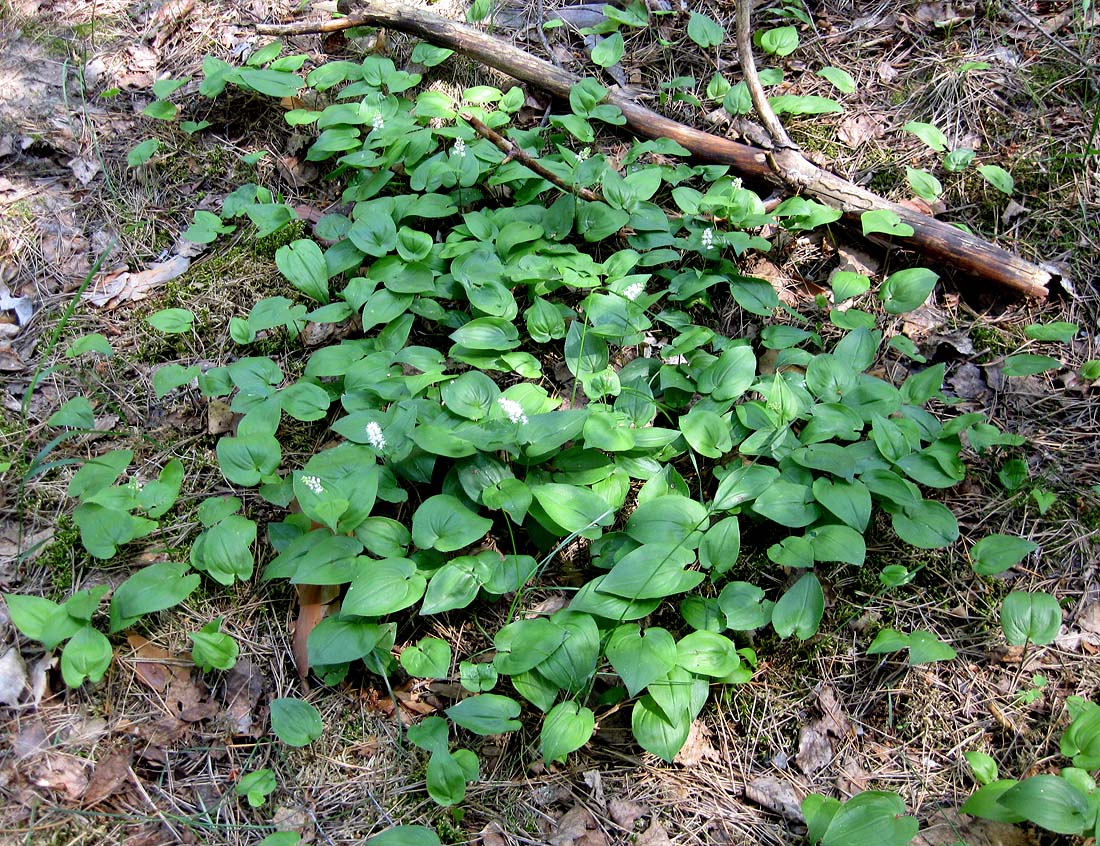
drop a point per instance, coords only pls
(256, 786)
(1066, 803)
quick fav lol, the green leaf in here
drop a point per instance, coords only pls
(800, 609)
(652, 571)
(803, 104)
(442, 522)
(662, 736)
(669, 519)
(640, 657)
(997, 553)
(213, 649)
(573, 508)
(983, 767)
(565, 729)
(907, 290)
(841, 80)
(75, 413)
(429, 55)
(608, 52)
(708, 654)
(744, 606)
(850, 501)
(103, 529)
(486, 713)
(150, 589)
(871, 818)
(454, 585)
(429, 659)
(1027, 364)
(1051, 803)
(172, 376)
(246, 459)
(295, 722)
(781, 41)
(1061, 332)
(487, 333)
(375, 234)
(272, 83)
(141, 153)
(338, 639)
(927, 525)
(706, 432)
(257, 786)
(704, 31)
(303, 264)
(383, 587)
(985, 803)
(958, 160)
(161, 110)
(888, 640)
(837, 543)
(409, 835)
(224, 551)
(926, 648)
(846, 285)
(87, 655)
(787, 504)
(92, 342)
(1030, 617)
(929, 134)
(998, 177)
(524, 644)
(172, 321)
(924, 184)
(885, 221)
(721, 546)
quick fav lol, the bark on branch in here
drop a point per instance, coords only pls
(934, 239)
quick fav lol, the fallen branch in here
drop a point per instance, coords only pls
(932, 238)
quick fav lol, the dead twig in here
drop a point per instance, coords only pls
(752, 80)
(514, 151)
(934, 239)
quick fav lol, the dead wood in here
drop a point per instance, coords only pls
(932, 238)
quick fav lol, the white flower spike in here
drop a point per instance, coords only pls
(375, 437)
(513, 409)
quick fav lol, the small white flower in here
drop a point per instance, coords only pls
(378, 122)
(314, 484)
(736, 183)
(708, 239)
(459, 148)
(513, 409)
(375, 436)
(584, 154)
(634, 291)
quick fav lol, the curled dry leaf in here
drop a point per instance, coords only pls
(655, 835)
(493, 835)
(110, 290)
(577, 827)
(244, 685)
(110, 774)
(626, 813)
(13, 677)
(779, 797)
(697, 747)
(64, 774)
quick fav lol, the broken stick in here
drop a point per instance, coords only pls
(786, 167)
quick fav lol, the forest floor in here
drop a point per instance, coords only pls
(124, 761)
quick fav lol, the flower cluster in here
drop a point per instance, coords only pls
(708, 239)
(634, 291)
(459, 148)
(314, 484)
(513, 409)
(375, 437)
(378, 122)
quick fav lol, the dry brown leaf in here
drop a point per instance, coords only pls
(857, 130)
(10, 360)
(244, 685)
(852, 778)
(958, 828)
(61, 773)
(29, 740)
(13, 677)
(219, 418)
(655, 835)
(696, 748)
(110, 290)
(626, 813)
(109, 775)
(84, 168)
(313, 603)
(577, 827)
(593, 779)
(493, 835)
(775, 795)
(189, 700)
(815, 750)
(150, 663)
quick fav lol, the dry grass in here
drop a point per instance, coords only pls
(908, 726)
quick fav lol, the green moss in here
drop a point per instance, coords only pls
(990, 343)
(60, 558)
(267, 246)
